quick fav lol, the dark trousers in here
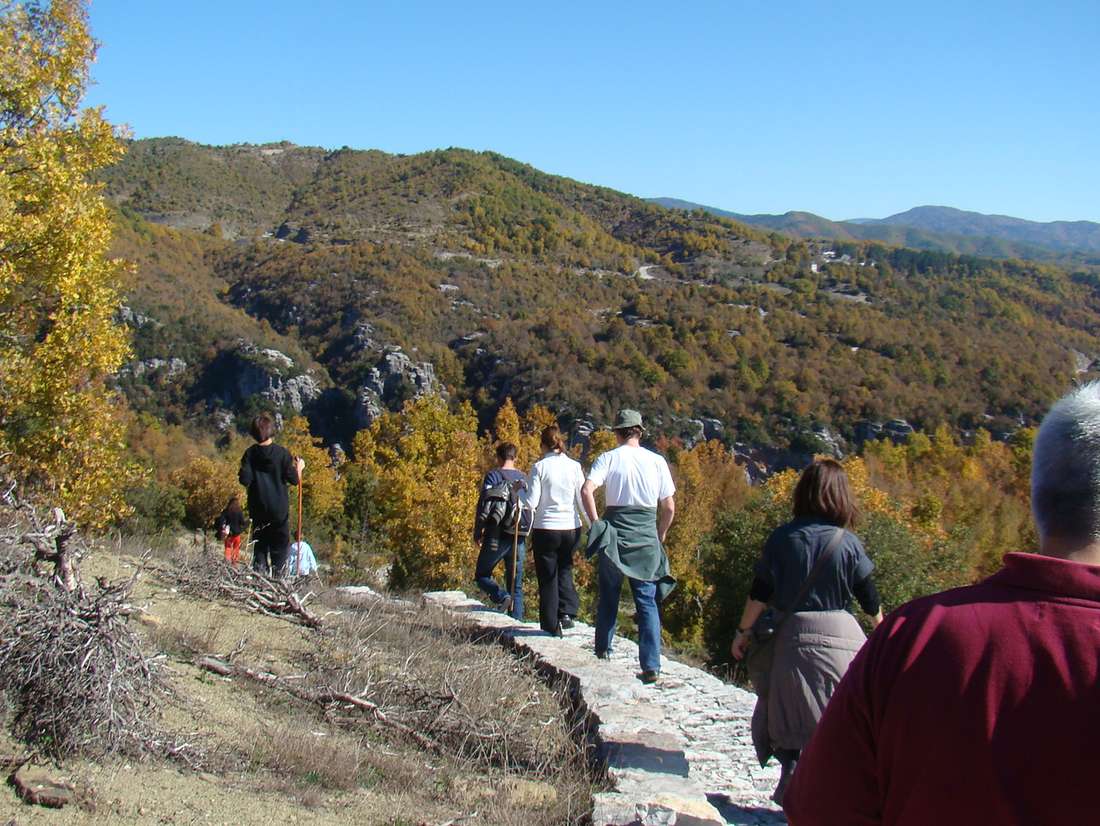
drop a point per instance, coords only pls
(788, 760)
(494, 548)
(271, 548)
(553, 552)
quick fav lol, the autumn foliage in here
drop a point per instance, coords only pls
(58, 289)
(426, 463)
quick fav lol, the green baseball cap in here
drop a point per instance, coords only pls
(628, 418)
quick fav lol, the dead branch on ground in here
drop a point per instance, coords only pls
(326, 698)
(244, 586)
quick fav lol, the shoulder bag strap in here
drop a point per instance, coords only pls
(822, 561)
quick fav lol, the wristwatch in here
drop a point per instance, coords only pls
(743, 630)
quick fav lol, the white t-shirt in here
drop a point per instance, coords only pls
(554, 492)
(635, 477)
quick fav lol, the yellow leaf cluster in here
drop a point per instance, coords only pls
(978, 490)
(870, 497)
(599, 442)
(524, 432)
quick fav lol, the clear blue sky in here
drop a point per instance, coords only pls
(846, 109)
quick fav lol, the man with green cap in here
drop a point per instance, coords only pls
(630, 538)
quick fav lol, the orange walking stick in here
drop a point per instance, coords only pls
(298, 555)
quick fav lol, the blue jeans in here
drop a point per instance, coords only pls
(493, 549)
(645, 603)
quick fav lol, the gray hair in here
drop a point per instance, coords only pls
(1065, 468)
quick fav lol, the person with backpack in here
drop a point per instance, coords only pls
(553, 493)
(266, 470)
(500, 527)
(229, 525)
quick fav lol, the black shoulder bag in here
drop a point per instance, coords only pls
(767, 625)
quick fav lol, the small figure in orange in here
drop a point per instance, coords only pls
(230, 525)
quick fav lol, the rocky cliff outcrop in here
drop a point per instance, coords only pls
(131, 318)
(147, 368)
(248, 371)
(395, 379)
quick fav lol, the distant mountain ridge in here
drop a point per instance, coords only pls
(935, 227)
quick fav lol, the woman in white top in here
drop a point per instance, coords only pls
(554, 493)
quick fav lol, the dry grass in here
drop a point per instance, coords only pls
(313, 756)
(479, 701)
(504, 753)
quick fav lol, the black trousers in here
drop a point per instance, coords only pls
(271, 548)
(553, 553)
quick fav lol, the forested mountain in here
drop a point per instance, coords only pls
(338, 281)
(1072, 243)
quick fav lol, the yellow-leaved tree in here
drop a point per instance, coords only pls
(708, 480)
(58, 290)
(599, 442)
(525, 432)
(424, 461)
(207, 483)
(978, 492)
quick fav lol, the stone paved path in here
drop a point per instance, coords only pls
(679, 752)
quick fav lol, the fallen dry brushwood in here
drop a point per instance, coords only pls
(244, 586)
(72, 669)
(327, 698)
(52, 540)
(75, 671)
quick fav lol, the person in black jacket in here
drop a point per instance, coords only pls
(266, 470)
(496, 544)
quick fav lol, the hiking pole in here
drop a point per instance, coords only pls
(515, 557)
(298, 554)
(515, 548)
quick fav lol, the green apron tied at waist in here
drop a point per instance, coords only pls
(628, 538)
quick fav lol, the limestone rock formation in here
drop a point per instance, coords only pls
(395, 379)
(171, 368)
(131, 318)
(247, 371)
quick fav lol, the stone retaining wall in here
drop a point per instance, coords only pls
(678, 752)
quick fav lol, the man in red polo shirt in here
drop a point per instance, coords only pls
(982, 704)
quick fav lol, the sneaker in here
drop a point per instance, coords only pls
(649, 677)
(566, 622)
(603, 655)
(505, 605)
